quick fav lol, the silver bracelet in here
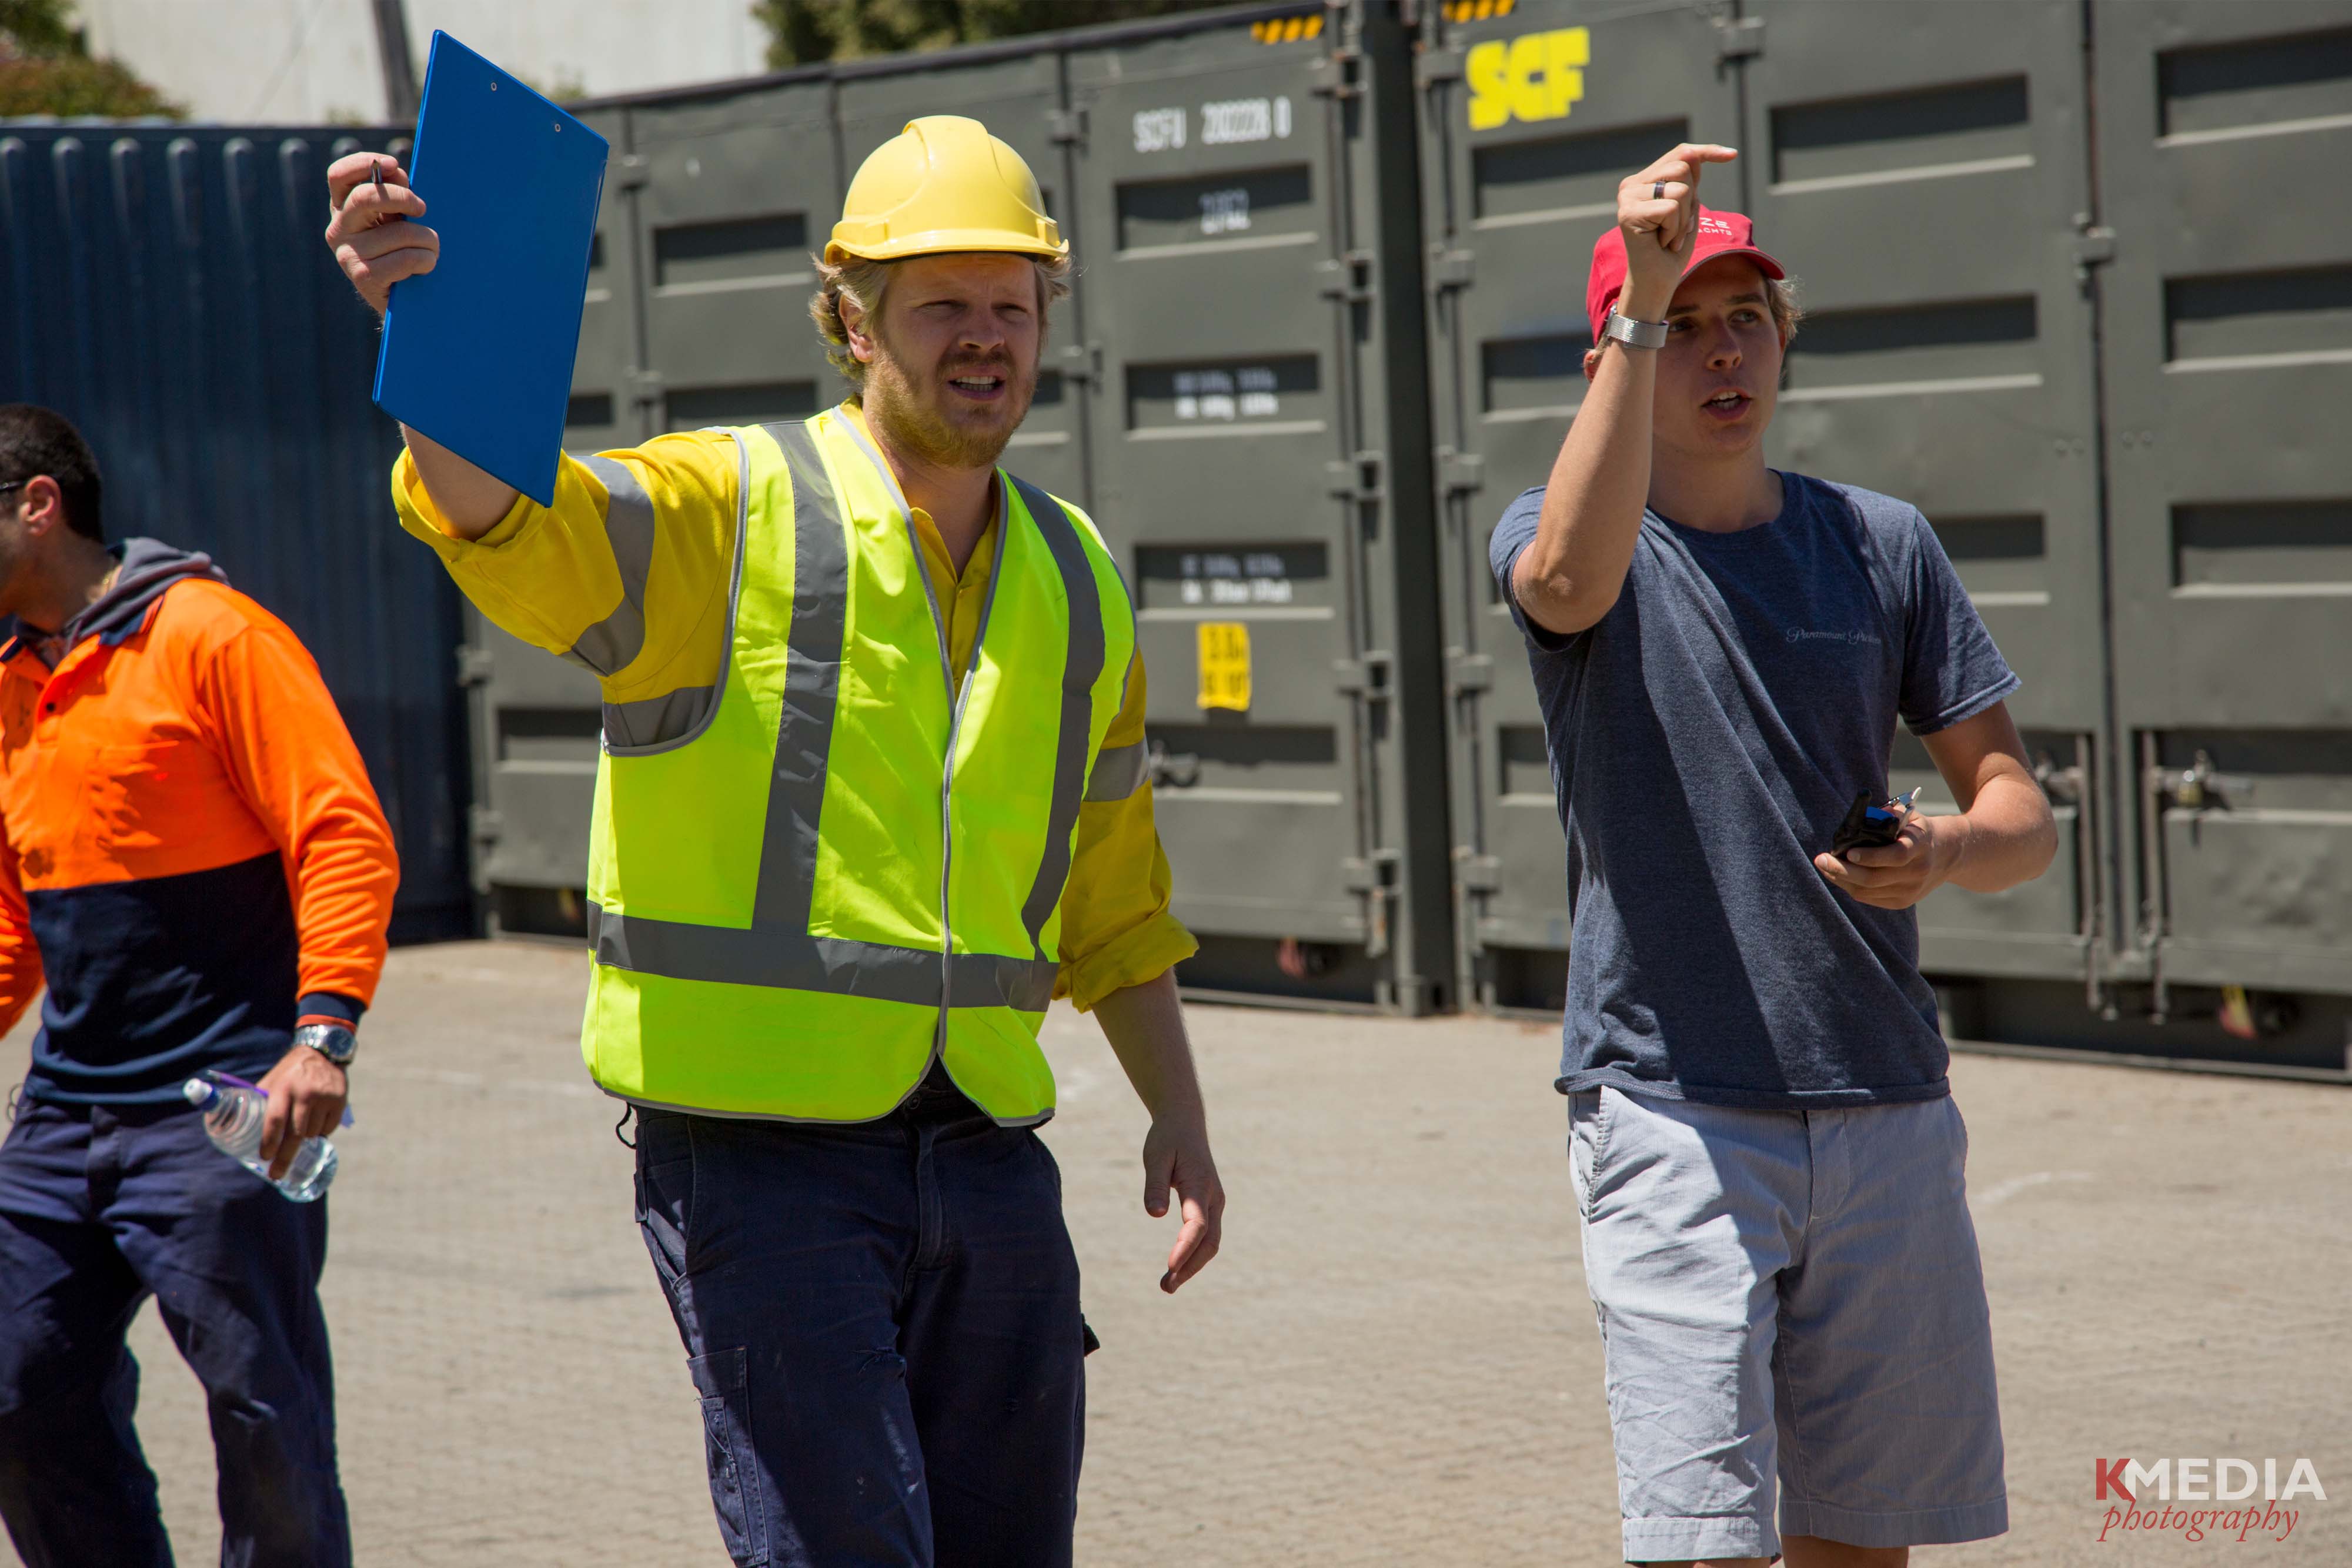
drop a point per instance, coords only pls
(1634, 334)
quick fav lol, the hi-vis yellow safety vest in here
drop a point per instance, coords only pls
(846, 866)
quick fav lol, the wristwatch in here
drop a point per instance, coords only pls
(332, 1041)
(1634, 334)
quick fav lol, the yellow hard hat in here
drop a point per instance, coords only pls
(944, 183)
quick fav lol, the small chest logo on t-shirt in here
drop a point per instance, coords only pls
(1860, 636)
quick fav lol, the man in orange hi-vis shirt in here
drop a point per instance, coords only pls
(192, 860)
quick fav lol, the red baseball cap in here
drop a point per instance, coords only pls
(1719, 234)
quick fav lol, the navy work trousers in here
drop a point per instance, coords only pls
(882, 1322)
(101, 1207)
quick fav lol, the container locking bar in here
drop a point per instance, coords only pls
(1374, 877)
(2199, 785)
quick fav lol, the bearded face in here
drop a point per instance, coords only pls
(952, 365)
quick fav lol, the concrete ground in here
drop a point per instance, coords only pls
(1392, 1363)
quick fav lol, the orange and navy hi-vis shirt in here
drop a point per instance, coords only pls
(190, 852)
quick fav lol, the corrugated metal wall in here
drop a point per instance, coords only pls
(165, 288)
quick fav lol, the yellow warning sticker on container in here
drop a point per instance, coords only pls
(1224, 666)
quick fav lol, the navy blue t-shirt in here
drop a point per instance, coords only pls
(1707, 736)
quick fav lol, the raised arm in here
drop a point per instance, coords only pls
(1570, 576)
(373, 229)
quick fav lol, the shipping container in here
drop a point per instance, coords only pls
(1235, 392)
(2041, 301)
(165, 288)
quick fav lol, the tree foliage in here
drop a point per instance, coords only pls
(805, 31)
(38, 27)
(46, 68)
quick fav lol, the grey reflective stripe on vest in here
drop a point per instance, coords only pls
(609, 645)
(764, 956)
(1081, 667)
(647, 723)
(812, 691)
(1120, 771)
(666, 723)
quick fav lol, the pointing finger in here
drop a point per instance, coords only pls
(1686, 161)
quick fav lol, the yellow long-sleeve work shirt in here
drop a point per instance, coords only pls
(547, 574)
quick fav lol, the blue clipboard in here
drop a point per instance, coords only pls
(478, 353)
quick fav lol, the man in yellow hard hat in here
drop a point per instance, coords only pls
(872, 790)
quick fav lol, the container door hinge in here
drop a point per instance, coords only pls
(1739, 37)
(1335, 74)
(1081, 362)
(1477, 873)
(2094, 246)
(1469, 672)
(486, 825)
(1434, 66)
(630, 171)
(1358, 480)
(644, 386)
(1352, 277)
(1371, 872)
(1067, 125)
(1458, 472)
(2064, 786)
(473, 665)
(1451, 269)
(1367, 676)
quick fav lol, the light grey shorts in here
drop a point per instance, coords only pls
(1790, 1301)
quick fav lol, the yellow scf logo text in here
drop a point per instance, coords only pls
(1536, 76)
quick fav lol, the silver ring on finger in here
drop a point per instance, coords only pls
(1658, 191)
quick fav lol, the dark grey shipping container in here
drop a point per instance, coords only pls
(164, 288)
(1235, 392)
(2045, 302)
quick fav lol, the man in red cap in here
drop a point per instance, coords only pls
(1762, 1139)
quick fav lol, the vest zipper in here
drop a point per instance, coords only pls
(956, 698)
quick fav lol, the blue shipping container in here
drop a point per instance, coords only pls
(166, 289)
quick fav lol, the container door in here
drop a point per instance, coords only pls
(601, 415)
(1529, 120)
(1926, 179)
(738, 190)
(2227, 374)
(1230, 479)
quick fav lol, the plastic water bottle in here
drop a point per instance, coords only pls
(232, 1115)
